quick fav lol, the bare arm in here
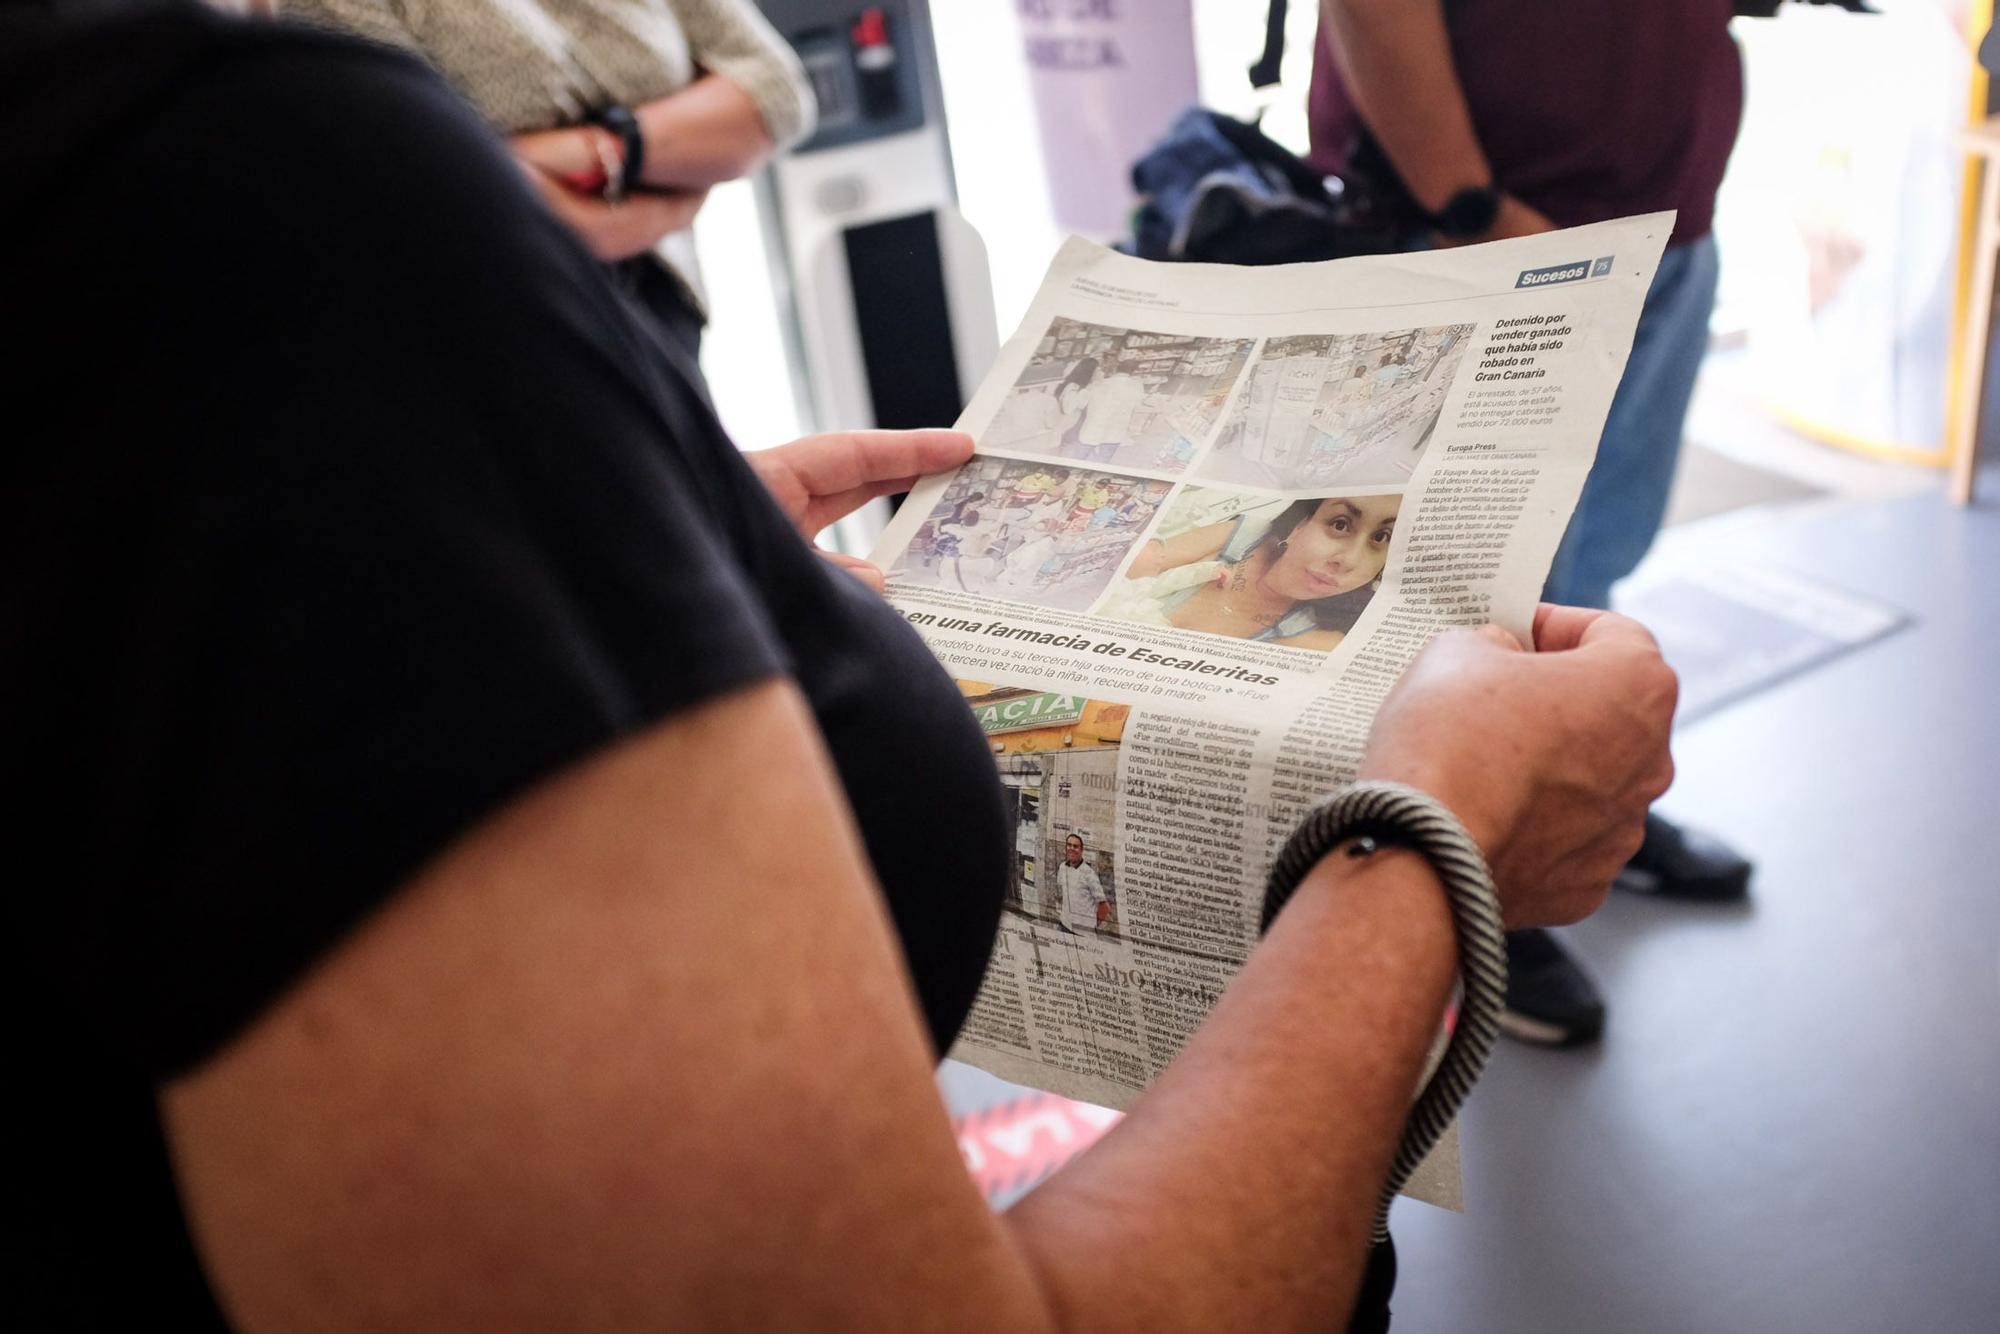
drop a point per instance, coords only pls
(709, 132)
(596, 1067)
(1228, 1200)
(616, 231)
(1170, 553)
(1319, 641)
(752, 98)
(1395, 59)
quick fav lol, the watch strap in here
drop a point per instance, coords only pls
(1469, 213)
(623, 122)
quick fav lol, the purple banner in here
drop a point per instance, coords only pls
(1109, 76)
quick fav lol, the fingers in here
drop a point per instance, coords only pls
(1595, 866)
(616, 231)
(1560, 628)
(1496, 635)
(1609, 627)
(823, 477)
(1518, 219)
(1472, 639)
(558, 152)
(1650, 683)
(871, 463)
(637, 223)
(827, 508)
(1659, 778)
(685, 204)
(866, 571)
(1550, 759)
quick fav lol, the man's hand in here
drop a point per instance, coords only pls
(566, 154)
(825, 477)
(622, 230)
(1550, 758)
(1517, 219)
(1514, 219)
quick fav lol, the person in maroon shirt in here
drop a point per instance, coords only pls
(1504, 118)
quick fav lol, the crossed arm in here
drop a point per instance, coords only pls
(708, 132)
(711, 131)
(704, 134)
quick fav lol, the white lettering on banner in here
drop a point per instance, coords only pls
(1108, 77)
(1043, 710)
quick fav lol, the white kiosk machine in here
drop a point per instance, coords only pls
(888, 287)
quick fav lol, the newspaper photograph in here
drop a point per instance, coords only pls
(1214, 513)
(1339, 409)
(1034, 532)
(1131, 398)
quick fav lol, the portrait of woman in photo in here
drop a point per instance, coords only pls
(1300, 578)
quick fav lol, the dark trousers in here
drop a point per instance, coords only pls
(663, 307)
(1378, 1281)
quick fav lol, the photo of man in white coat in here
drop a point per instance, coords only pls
(1085, 905)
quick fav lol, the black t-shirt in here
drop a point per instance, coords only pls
(344, 501)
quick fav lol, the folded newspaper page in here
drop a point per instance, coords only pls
(1214, 513)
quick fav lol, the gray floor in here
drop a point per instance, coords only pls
(1794, 1120)
(1709, 482)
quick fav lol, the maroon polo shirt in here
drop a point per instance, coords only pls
(1587, 109)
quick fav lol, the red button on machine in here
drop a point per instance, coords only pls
(871, 29)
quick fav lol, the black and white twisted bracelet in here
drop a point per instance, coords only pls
(1396, 815)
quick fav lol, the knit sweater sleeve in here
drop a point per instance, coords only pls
(377, 20)
(730, 38)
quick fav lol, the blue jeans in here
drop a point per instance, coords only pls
(1625, 496)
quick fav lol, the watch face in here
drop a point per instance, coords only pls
(1470, 212)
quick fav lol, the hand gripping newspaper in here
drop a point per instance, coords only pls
(1214, 514)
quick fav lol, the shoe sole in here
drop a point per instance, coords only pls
(1541, 1033)
(1653, 886)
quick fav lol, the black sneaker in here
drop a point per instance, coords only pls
(1679, 863)
(1550, 1000)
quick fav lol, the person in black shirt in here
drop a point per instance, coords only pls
(496, 875)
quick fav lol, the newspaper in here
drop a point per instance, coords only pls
(1214, 514)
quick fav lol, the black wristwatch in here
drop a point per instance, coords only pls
(1469, 214)
(624, 123)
